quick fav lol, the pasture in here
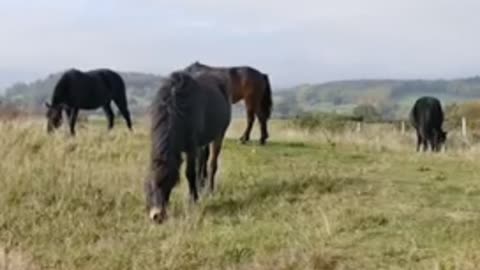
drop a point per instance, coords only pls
(307, 200)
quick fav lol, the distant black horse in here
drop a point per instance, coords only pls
(87, 90)
(248, 84)
(426, 117)
(189, 114)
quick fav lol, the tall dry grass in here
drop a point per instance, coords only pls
(308, 200)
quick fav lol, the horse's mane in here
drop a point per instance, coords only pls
(165, 109)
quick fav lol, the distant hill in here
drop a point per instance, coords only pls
(7, 77)
(392, 97)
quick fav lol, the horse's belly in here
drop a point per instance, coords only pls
(88, 105)
(89, 94)
(213, 129)
(236, 97)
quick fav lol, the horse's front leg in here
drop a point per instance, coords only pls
(72, 119)
(191, 173)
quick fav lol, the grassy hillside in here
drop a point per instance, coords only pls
(322, 200)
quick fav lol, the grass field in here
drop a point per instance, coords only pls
(305, 201)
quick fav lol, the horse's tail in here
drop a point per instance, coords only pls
(267, 102)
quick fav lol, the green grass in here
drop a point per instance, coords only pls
(298, 203)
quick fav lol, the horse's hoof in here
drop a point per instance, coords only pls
(192, 202)
(157, 215)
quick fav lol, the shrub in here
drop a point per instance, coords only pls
(9, 111)
(367, 112)
(328, 121)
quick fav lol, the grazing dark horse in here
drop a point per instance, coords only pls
(189, 114)
(426, 117)
(250, 85)
(88, 91)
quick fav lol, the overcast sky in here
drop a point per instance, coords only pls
(294, 41)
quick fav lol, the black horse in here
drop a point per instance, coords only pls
(427, 118)
(189, 114)
(87, 90)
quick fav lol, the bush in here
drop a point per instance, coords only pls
(367, 112)
(329, 121)
(9, 111)
(454, 113)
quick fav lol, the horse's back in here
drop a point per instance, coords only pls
(112, 75)
(214, 98)
(113, 81)
(248, 72)
(84, 90)
(246, 81)
(74, 80)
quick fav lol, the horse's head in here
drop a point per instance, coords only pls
(442, 138)
(160, 182)
(54, 116)
(154, 197)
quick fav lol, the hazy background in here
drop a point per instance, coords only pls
(294, 41)
(330, 56)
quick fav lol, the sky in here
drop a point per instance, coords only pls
(301, 41)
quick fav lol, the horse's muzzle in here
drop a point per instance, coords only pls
(158, 215)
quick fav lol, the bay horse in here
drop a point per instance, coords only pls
(189, 114)
(88, 90)
(250, 85)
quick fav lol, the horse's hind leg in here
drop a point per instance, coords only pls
(110, 116)
(191, 173)
(419, 142)
(202, 166)
(263, 128)
(250, 119)
(206, 155)
(425, 144)
(121, 103)
(216, 146)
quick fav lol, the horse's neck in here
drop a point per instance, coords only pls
(59, 95)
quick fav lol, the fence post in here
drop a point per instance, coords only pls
(403, 127)
(359, 127)
(464, 127)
